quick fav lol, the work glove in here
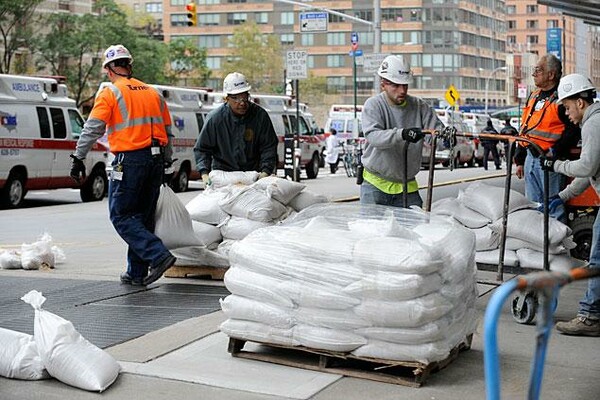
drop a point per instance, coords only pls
(547, 164)
(77, 169)
(554, 203)
(168, 171)
(412, 135)
(262, 175)
(449, 131)
(206, 180)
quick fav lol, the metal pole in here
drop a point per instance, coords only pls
(377, 39)
(297, 136)
(354, 81)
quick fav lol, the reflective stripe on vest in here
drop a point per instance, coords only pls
(135, 132)
(543, 126)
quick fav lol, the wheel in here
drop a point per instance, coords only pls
(348, 166)
(181, 181)
(582, 235)
(471, 162)
(95, 186)
(526, 312)
(322, 159)
(14, 190)
(312, 168)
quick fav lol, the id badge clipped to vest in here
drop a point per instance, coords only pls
(155, 148)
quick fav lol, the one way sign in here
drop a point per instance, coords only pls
(313, 21)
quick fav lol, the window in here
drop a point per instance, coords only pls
(44, 121)
(209, 41)
(236, 1)
(307, 39)
(179, 20)
(336, 39)
(332, 18)
(303, 127)
(512, 24)
(200, 2)
(58, 123)
(261, 18)
(511, 9)
(213, 62)
(287, 18)
(415, 15)
(552, 23)
(200, 121)
(207, 19)
(391, 15)
(287, 39)
(532, 39)
(392, 37)
(236, 18)
(512, 39)
(310, 62)
(532, 9)
(76, 123)
(532, 24)
(153, 7)
(367, 15)
(335, 61)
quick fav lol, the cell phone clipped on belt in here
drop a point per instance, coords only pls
(155, 147)
(359, 174)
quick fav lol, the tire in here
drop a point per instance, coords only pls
(322, 159)
(527, 312)
(312, 168)
(95, 186)
(14, 191)
(181, 181)
(582, 227)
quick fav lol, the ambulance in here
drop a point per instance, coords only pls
(282, 112)
(341, 118)
(39, 128)
(188, 109)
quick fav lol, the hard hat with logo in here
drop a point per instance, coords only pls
(235, 83)
(116, 52)
(573, 84)
(395, 69)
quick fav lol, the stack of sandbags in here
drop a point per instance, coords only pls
(480, 208)
(349, 278)
(237, 204)
(41, 254)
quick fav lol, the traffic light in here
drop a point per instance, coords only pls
(191, 14)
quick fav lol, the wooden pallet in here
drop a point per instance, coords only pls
(185, 271)
(405, 373)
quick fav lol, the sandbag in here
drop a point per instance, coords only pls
(327, 318)
(327, 339)
(173, 222)
(557, 262)
(199, 256)
(279, 189)
(372, 228)
(464, 215)
(237, 228)
(224, 178)
(253, 204)
(528, 225)
(239, 307)
(66, 355)
(492, 257)
(10, 259)
(205, 207)
(488, 200)
(19, 357)
(486, 239)
(385, 285)
(305, 199)
(257, 332)
(206, 233)
(38, 254)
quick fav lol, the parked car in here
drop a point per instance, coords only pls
(463, 152)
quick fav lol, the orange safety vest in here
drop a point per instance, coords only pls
(543, 126)
(134, 113)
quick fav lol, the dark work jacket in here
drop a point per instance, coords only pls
(231, 143)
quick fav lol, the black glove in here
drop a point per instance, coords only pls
(547, 164)
(449, 131)
(77, 169)
(412, 135)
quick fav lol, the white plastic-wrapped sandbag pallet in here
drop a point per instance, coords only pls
(388, 296)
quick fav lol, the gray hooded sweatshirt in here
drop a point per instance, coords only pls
(382, 123)
(586, 170)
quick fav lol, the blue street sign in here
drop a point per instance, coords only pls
(356, 53)
(354, 38)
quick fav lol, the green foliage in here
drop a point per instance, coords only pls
(258, 56)
(312, 90)
(15, 29)
(187, 62)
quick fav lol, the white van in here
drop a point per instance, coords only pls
(188, 109)
(39, 128)
(283, 117)
(341, 118)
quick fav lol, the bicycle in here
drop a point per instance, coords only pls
(350, 159)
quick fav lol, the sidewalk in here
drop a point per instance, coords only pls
(189, 360)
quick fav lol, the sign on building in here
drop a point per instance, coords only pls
(371, 62)
(295, 64)
(313, 21)
(554, 42)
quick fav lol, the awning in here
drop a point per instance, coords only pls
(587, 10)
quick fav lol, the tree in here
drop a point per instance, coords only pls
(258, 56)
(312, 90)
(14, 28)
(187, 61)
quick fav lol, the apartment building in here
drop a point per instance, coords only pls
(448, 42)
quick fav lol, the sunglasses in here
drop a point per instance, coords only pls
(240, 99)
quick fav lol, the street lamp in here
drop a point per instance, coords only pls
(487, 85)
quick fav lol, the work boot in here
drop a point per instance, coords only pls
(158, 270)
(579, 326)
(128, 280)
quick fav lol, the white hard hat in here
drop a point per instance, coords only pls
(396, 70)
(573, 84)
(235, 83)
(116, 52)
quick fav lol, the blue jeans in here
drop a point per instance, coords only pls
(589, 306)
(534, 185)
(132, 205)
(369, 194)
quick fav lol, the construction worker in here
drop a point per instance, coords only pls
(544, 122)
(509, 130)
(238, 136)
(391, 121)
(136, 119)
(577, 94)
